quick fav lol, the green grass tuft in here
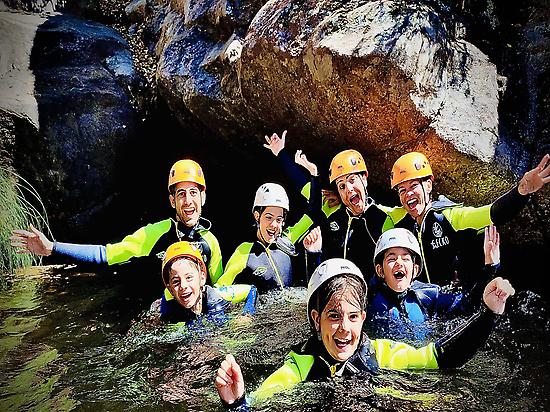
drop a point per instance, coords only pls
(17, 211)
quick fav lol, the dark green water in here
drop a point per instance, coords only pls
(79, 341)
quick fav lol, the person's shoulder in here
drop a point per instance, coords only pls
(443, 203)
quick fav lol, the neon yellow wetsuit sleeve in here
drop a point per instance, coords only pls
(234, 293)
(398, 355)
(468, 217)
(293, 371)
(140, 243)
(395, 215)
(235, 265)
(215, 266)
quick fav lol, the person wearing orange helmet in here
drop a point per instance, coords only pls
(447, 230)
(349, 219)
(352, 230)
(184, 275)
(187, 195)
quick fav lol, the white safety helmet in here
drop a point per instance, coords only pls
(326, 271)
(398, 237)
(271, 194)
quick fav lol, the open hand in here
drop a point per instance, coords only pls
(491, 245)
(536, 178)
(495, 294)
(229, 380)
(301, 159)
(31, 241)
(275, 143)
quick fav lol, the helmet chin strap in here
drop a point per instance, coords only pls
(426, 199)
(366, 195)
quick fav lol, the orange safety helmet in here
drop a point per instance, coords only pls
(346, 162)
(181, 249)
(413, 165)
(186, 170)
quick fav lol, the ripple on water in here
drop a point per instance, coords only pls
(72, 347)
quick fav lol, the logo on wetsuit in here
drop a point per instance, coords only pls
(437, 231)
(334, 226)
(260, 270)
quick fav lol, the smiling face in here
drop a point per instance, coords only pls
(187, 199)
(352, 189)
(398, 268)
(270, 224)
(185, 283)
(340, 324)
(414, 196)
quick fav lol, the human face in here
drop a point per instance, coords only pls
(187, 200)
(340, 325)
(414, 196)
(271, 223)
(353, 192)
(398, 269)
(185, 282)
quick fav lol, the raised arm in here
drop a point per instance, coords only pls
(457, 347)
(510, 204)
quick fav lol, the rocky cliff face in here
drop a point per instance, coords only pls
(465, 83)
(67, 116)
(384, 77)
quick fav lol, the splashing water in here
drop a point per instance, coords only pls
(86, 341)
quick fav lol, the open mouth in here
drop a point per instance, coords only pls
(271, 233)
(186, 296)
(411, 204)
(189, 212)
(355, 199)
(342, 343)
(399, 275)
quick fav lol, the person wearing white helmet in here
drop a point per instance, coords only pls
(266, 262)
(401, 304)
(338, 346)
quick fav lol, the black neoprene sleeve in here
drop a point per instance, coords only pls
(458, 347)
(508, 206)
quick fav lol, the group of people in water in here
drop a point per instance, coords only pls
(363, 260)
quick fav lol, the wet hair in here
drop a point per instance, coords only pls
(339, 284)
(260, 210)
(168, 268)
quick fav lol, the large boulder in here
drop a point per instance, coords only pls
(69, 119)
(383, 76)
(379, 76)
